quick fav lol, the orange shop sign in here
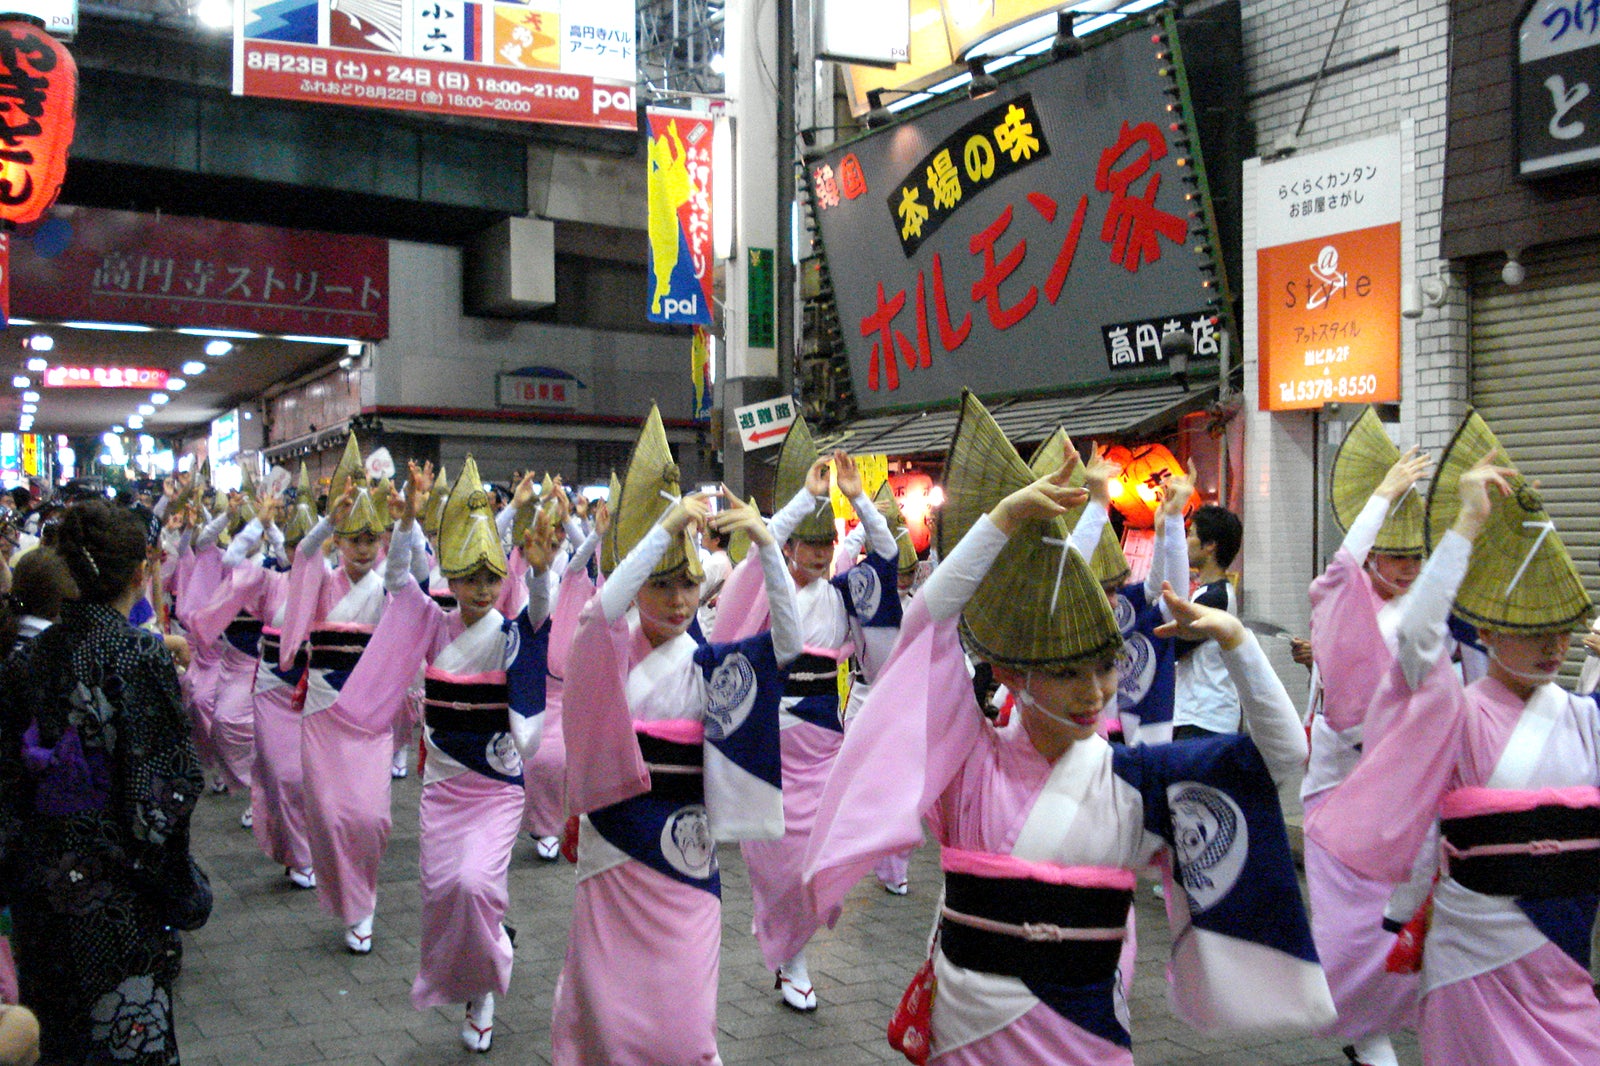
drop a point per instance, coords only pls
(1328, 277)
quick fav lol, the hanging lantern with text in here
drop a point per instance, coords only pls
(38, 115)
(1136, 493)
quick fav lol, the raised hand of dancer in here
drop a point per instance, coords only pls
(817, 476)
(847, 474)
(341, 507)
(1044, 499)
(417, 493)
(1176, 492)
(1098, 474)
(737, 514)
(538, 546)
(1477, 482)
(602, 517)
(527, 488)
(1407, 470)
(1196, 621)
(266, 509)
(690, 511)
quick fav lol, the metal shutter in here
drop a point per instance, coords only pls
(1536, 381)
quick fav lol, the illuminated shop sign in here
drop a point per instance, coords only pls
(105, 377)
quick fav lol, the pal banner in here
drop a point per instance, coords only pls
(700, 368)
(679, 193)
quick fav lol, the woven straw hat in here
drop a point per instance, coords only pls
(365, 515)
(1108, 564)
(468, 539)
(247, 505)
(302, 513)
(608, 541)
(433, 511)
(886, 504)
(1363, 459)
(795, 459)
(1520, 578)
(1039, 607)
(649, 489)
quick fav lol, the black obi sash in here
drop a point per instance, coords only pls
(812, 675)
(244, 633)
(465, 707)
(1031, 930)
(1544, 852)
(677, 771)
(337, 649)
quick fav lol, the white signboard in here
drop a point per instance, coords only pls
(877, 32)
(1335, 190)
(544, 387)
(764, 424)
(60, 17)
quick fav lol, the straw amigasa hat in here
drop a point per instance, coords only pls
(433, 512)
(302, 513)
(649, 490)
(1108, 564)
(795, 459)
(608, 540)
(886, 504)
(1039, 607)
(247, 505)
(1363, 459)
(365, 515)
(468, 539)
(1520, 578)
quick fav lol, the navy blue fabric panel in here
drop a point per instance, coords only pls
(746, 687)
(637, 827)
(1091, 1008)
(1567, 921)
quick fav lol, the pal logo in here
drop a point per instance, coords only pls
(686, 308)
(612, 101)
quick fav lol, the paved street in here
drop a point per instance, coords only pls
(268, 983)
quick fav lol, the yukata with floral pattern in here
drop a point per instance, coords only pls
(100, 777)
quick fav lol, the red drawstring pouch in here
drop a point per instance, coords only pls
(911, 1028)
(1406, 955)
(569, 841)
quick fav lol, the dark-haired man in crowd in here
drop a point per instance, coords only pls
(1205, 702)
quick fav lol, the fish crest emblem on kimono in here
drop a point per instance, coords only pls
(1122, 610)
(502, 755)
(686, 842)
(733, 693)
(1136, 669)
(1212, 841)
(865, 590)
(513, 643)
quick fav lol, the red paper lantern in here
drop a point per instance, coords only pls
(1136, 493)
(38, 116)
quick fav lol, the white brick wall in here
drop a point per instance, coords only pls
(1284, 41)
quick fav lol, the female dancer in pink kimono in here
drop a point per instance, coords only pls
(858, 611)
(1355, 607)
(482, 700)
(1043, 822)
(277, 800)
(346, 738)
(198, 574)
(1509, 766)
(672, 747)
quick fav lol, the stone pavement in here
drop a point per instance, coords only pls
(268, 982)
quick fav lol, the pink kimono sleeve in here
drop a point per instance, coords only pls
(910, 739)
(407, 632)
(204, 579)
(604, 764)
(242, 588)
(303, 605)
(1376, 821)
(1351, 655)
(577, 589)
(742, 605)
(513, 593)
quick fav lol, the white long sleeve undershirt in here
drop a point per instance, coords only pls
(1424, 632)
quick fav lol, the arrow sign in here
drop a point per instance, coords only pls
(764, 424)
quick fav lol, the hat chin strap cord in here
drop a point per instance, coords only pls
(1025, 698)
(1531, 678)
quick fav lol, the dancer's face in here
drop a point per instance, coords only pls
(809, 560)
(1392, 575)
(1059, 709)
(358, 553)
(666, 606)
(1524, 661)
(476, 593)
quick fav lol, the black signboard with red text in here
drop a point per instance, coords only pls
(1040, 237)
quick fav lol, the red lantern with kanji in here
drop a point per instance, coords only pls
(38, 116)
(1137, 491)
